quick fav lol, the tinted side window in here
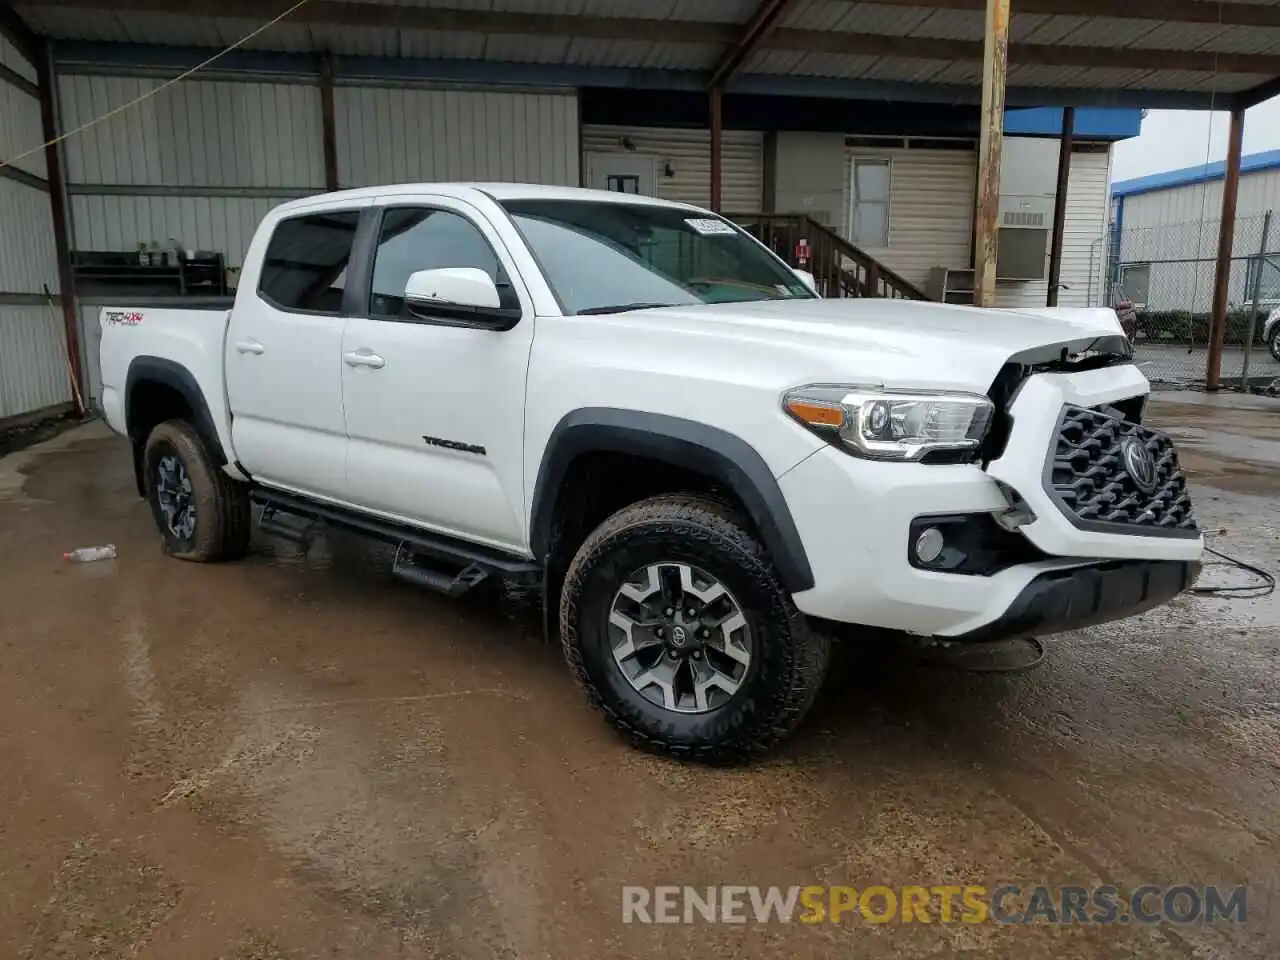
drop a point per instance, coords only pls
(306, 263)
(416, 238)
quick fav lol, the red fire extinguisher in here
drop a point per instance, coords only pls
(802, 252)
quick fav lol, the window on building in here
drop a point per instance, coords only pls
(305, 268)
(1268, 284)
(1135, 282)
(419, 238)
(869, 202)
(623, 182)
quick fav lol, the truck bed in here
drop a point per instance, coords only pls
(177, 343)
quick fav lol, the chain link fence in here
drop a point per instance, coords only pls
(1167, 272)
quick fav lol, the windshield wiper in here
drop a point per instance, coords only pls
(623, 308)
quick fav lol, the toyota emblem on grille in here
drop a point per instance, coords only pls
(1139, 464)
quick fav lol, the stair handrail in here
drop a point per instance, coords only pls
(875, 268)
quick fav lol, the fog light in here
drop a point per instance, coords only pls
(929, 545)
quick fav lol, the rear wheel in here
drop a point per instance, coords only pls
(201, 513)
(676, 625)
(1273, 342)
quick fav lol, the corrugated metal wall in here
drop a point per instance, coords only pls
(171, 167)
(224, 224)
(33, 365)
(11, 58)
(930, 208)
(1083, 241)
(28, 261)
(1258, 193)
(194, 134)
(689, 152)
(20, 128)
(396, 135)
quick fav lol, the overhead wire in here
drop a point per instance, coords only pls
(172, 81)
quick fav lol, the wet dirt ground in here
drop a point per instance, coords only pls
(296, 756)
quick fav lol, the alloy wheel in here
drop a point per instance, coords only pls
(679, 637)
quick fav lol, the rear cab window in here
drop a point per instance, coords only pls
(305, 267)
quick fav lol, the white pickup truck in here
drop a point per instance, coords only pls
(638, 406)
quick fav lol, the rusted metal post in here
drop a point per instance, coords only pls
(1226, 236)
(717, 135)
(46, 79)
(328, 127)
(995, 55)
(1060, 204)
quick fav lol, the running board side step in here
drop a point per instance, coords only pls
(302, 534)
(413, 546)
(453, 584)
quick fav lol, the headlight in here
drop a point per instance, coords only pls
(890, 424)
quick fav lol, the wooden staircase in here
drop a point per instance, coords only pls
(840, 268)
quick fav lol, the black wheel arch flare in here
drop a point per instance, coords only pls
(714, 453)
(148, 369)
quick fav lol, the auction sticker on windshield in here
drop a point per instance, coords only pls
(710, 228)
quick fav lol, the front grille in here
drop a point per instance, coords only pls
(1088, 478)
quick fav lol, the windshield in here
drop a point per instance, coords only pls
(602, 257)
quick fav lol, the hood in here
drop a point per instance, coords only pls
(1010, 331)
(905, 343)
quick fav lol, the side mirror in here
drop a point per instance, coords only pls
(460, 286)
(458, 296)
(806, 278)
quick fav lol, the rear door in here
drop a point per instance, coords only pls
(435, 411)
(284, 352)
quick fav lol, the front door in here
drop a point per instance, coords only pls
(435, 411)
(282, 357)
(621, 172)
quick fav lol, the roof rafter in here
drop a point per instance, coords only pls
(761, 24)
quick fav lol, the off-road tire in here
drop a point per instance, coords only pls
(789, 660)
(1273, 343)
(223, 519)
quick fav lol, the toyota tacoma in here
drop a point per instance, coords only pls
(636, 407)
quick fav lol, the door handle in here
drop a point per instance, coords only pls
(362, 358)
(250, 346)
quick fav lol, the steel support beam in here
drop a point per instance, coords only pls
(328, 126)
(18, 175)
(128, 59)
(1060, 205)
(1226, 236)
(990, 146)
(717, 145)
(1256, 95)
(46, 79)
(758, 28)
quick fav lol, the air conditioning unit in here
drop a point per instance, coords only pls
(1028, 181)
(1023, 246)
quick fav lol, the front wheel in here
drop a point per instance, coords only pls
(1273, 342)
(675, 623)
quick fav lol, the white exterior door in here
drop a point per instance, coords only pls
(282, 357)
(435, 410)
(622, 172)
